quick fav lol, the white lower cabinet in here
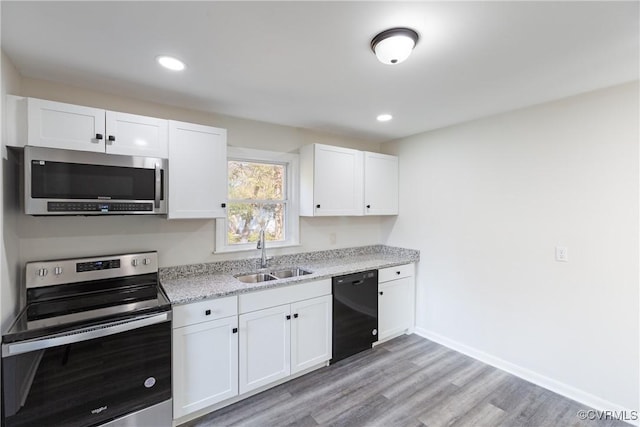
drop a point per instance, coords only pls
(264, 347)
(395, 301)
(205, 355)
(283, 339)
(310, 333)
(230, 346)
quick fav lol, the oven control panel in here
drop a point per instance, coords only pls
(56, 272)
(97, 265)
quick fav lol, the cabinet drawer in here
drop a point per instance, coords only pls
(196, 312)
(285, 295)
(397, 272)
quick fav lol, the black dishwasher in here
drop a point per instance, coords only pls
(355, 313)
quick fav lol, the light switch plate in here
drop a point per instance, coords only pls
(562, 254)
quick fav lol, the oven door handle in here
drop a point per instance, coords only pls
(84, 334)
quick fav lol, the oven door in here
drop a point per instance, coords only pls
(88, 377)
(65, 182)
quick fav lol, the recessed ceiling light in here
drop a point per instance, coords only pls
(170, 63)
(384, 117)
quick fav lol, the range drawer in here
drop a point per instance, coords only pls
(202, 311)
(397, 272)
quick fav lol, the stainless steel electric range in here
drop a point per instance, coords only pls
(91, 347)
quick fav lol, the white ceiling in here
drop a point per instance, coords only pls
(309, 64)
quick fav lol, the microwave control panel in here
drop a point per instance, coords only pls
(102, 207)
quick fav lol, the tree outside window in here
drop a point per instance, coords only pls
(256, 200)
(262, 193)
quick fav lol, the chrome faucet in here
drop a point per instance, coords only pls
(262, 245)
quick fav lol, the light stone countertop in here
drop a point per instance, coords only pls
(184, 284)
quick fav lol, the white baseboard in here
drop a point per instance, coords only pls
(565, 390)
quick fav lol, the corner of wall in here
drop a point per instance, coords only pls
(11, 82)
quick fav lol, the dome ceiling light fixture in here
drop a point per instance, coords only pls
(394, 45)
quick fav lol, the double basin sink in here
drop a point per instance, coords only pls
(272, 275)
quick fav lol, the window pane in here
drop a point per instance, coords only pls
(245, 220)
(256, 181)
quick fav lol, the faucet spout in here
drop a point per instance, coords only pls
(262, 245)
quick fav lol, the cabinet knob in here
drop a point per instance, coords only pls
(381, 293)
(207, 312)
(295, 316)
(224, 205)
(317, 206)
(234, 330)
(99, 136)
(288, 317)
(111, 138)
(368, 206)
(398, 273)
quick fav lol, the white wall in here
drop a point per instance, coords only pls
(178, 241)
(486, 203)
(9, 264)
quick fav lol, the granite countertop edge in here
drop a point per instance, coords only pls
(187, 284)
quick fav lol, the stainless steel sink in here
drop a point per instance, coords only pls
(255, 277)
(289, 272)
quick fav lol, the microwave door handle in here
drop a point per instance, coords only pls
(156, 203)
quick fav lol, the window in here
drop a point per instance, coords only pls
(262, 193)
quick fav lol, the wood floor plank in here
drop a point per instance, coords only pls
(368, 387)
(359, 415)
(406, 382)
(484, 414)
(456, 406)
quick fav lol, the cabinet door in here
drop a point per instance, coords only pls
(264, 347)
(197, 171)
(338, 181)
(395, 307)
(205, 364)
(71, 127)
(310, 333)
(134, 135)
(380, 184)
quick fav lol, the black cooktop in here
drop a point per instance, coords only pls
(63, 308)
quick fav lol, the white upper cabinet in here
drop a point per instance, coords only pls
(57, 125)
(331, 181)
(380, 184)
(52, 124)
(135, 135)
(336, 181)
(197, 171)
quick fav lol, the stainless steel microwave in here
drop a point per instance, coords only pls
(66, 182)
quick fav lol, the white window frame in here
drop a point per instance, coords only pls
(292, 218)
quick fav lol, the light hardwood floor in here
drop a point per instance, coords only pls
(408, 381)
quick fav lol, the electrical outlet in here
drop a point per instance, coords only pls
(562, 254)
